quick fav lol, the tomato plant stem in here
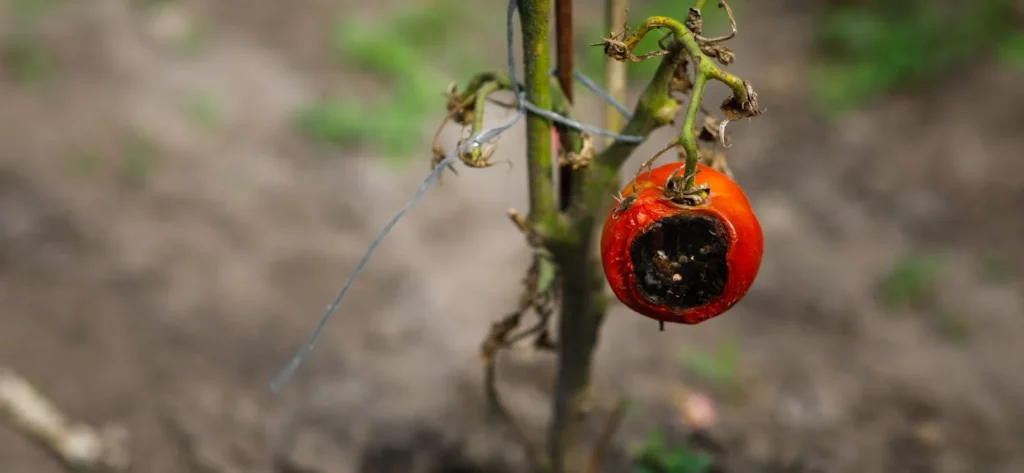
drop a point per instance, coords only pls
(570, 236)
(614, 71)
(564, 60)
(705, 70)
(535, 18)
(687, 136)
(583, 297)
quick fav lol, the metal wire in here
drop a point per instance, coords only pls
(607, 97)
(476, 140)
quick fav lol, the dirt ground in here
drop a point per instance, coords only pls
(164, 299)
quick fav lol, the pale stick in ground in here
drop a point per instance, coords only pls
(79, 446)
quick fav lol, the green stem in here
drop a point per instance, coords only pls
(687, 137)
(705, 70)
(584, 303)
(478, 110)
(654, 109)
(535, 18)
(583, 299)
(570, 138)
(704, 64)
(559, 104)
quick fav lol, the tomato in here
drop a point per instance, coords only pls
(681, 262)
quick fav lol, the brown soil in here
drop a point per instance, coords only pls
(166, 298)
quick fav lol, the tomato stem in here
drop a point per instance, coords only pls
(570, 236)
(743, 102)
(687, 136)
(535, 17)
(705, 67)
(485, 90)
(584, 302)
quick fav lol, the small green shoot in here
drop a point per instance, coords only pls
(911, 282)
(404, 51)
(996, 268)
(154, 3)
(26, 60)
(592, 58)
(952, 325)
(196, 40)
(721, 367)
(83, 163)
(137, 161)
(201, 110)
(656, 456)
(30, 9)
(1011, 51)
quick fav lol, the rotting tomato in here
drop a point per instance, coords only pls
(676, 261)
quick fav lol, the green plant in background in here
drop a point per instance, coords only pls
(405, 54)
(656, 456)
(25, 9)
(911, 282)
(188, 37)
(721, 366)
(874, 47)
(25, 59)
(951, 325)
(1011, 50)
(201, 109)
(592, 57)
(83, 163)
(137, 160)
(23, 56)
(996, 268)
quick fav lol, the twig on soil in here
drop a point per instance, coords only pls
(186, 444)
(536, 296)
(605, 440)
(78, 446)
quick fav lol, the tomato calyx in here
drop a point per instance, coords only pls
(676, 191)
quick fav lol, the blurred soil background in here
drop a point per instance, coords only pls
(185, 184)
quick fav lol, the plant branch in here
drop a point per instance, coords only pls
(539, 292)
(467, 109)
(79, 447)
(535, 19)
(564, 46)
(583, 298)
(743, 102)
(607, 434)
(687, 136)
(500, 338)
(614, 71)
(569, 238)
(655, 108)
(564, 60)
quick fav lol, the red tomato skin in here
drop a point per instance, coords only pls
(726, 202)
